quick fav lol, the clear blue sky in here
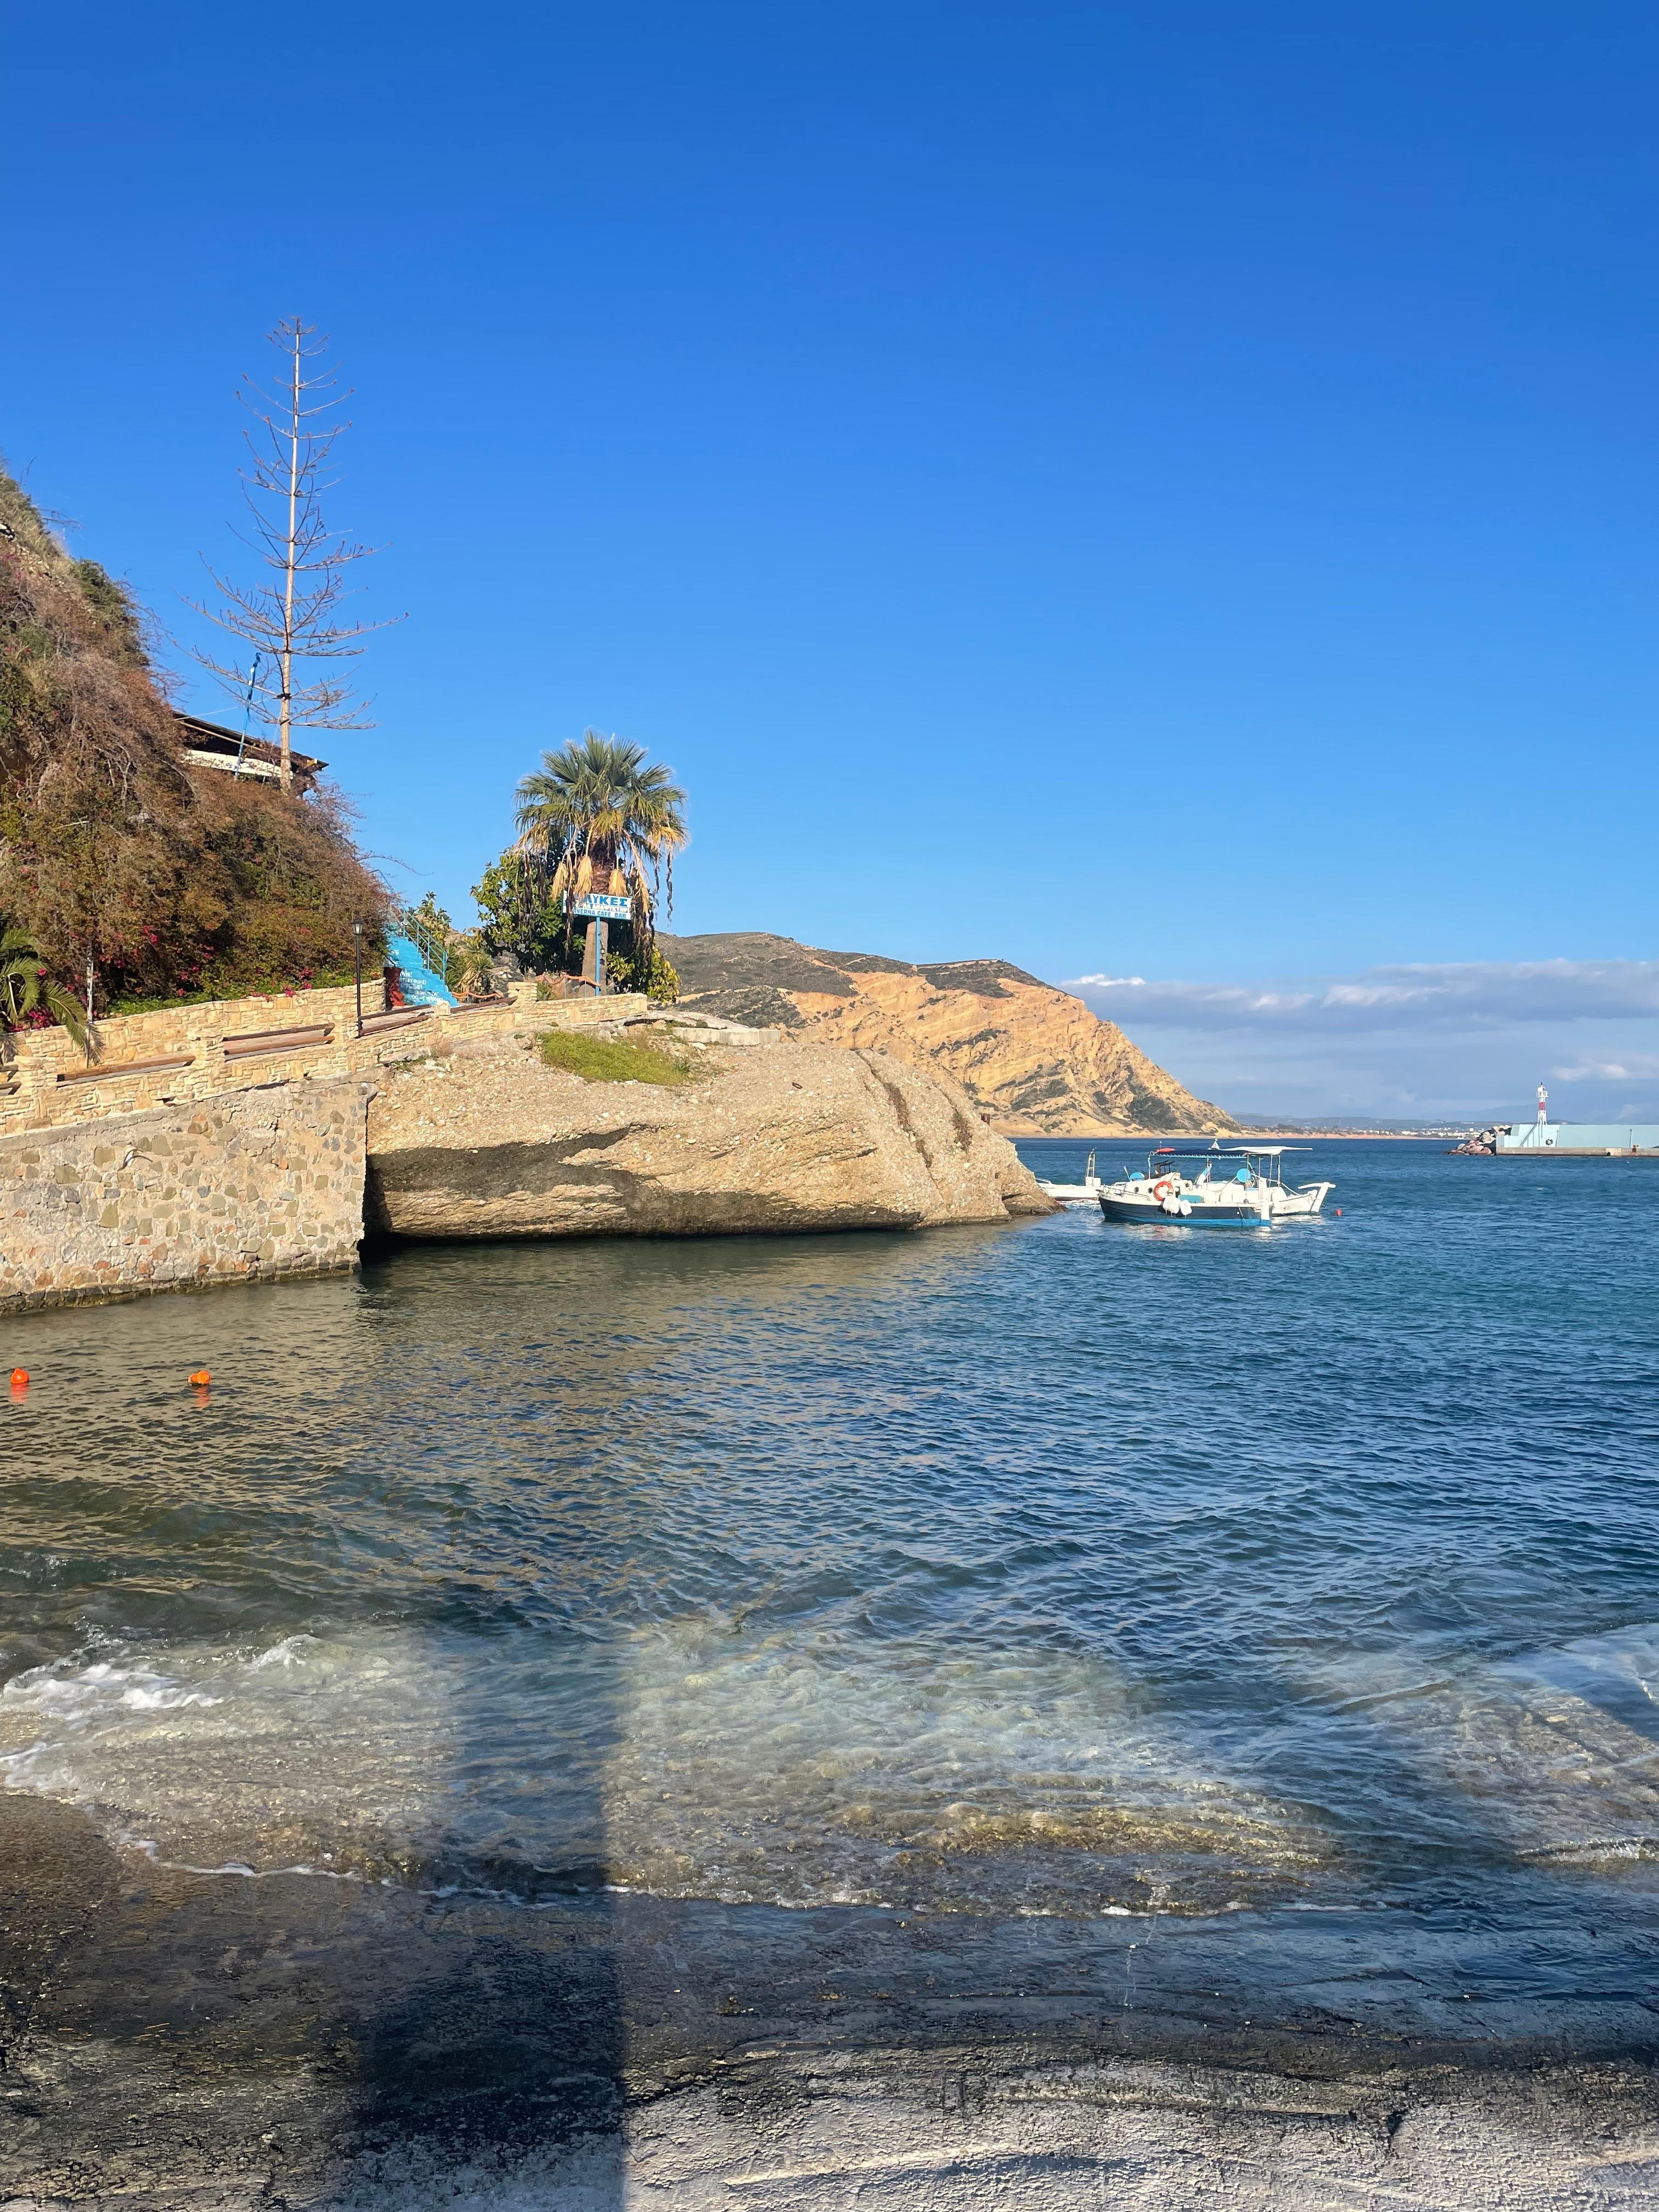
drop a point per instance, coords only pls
(1160, 491)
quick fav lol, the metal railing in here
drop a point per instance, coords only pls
(432, 945)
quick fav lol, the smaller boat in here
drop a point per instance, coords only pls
(1075, 1193)
(1242, 1187)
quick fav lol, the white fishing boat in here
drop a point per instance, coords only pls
(1241, 1187)
(1075, 1193)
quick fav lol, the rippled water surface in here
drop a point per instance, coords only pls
(1062, 1568)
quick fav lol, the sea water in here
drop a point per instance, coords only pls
(1063, 1568)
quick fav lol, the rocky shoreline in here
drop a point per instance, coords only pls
(175, 2038)
(475, 1136)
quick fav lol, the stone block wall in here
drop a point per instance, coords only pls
(180, 1054)
(239, 1189)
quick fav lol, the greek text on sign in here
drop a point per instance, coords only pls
(604, 906)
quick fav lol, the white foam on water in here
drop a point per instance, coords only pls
(798, 1769)
(308, 1751)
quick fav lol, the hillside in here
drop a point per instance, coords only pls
(172, 880)
(1036, 1061)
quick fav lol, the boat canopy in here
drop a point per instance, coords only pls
(1227, 1151)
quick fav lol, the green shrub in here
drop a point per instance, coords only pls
(517, 915)
(597, 1059)
(660, 981)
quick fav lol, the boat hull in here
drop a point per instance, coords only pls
(1301, 1205)
(1151, 1211)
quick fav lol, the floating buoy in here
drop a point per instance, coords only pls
(20, 1381)
(201, 1378)
(1339, 1214)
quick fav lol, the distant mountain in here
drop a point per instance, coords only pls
(1036, 1061)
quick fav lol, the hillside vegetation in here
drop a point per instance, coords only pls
(173, 880)
(1035, 1060)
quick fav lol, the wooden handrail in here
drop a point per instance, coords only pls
(253, 1041)
(125, 1067)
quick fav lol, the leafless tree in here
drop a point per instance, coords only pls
(294, 614)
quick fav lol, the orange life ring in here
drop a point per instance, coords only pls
(1163, 1187)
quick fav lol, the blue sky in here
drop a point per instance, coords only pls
(1147, 492)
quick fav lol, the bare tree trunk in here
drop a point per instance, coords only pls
(292, 615)
(285, 706)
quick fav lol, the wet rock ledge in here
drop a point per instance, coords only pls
(764, 1133)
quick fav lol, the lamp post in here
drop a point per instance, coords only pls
(357, 964)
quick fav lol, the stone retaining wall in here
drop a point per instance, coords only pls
(242, 1188)
(182, 1054)
(213, 1166)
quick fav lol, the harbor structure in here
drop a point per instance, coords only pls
(1574, 1140)
(1567, 1140)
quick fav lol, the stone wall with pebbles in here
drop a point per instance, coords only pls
(238, 1188)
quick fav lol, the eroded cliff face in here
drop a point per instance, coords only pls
(1032, 1058)
(769, 1133)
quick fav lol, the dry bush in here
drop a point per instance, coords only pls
(173, 880)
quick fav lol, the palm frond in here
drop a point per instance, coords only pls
(25, 987)
(599, 799)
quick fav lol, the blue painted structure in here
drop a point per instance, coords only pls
(421, 987)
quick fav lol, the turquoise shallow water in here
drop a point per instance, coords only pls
(1060, 1568)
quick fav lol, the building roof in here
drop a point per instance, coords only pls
(212, 746)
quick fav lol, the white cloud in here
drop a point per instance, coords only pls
(1595, 1071)
(1453, 1039)
(1459, 993)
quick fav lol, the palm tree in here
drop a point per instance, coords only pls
(24, 985)
(594, 817)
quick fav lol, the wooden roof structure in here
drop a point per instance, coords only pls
(209, 745)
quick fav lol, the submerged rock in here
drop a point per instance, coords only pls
(762, 1133)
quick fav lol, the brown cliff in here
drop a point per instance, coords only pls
(1035, 1060)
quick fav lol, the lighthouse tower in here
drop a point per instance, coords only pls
(1543, 1103)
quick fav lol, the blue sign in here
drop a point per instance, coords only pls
(604, 906)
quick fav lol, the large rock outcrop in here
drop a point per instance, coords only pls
(1035, 1060)
(767, 1133)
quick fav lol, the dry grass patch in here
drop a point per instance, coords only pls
(598, 1060)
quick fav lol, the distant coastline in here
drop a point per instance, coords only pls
(1262, 1136)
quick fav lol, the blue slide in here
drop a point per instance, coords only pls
(421, 987)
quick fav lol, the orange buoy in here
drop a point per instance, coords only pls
(20, 1378)
(201, 1378)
